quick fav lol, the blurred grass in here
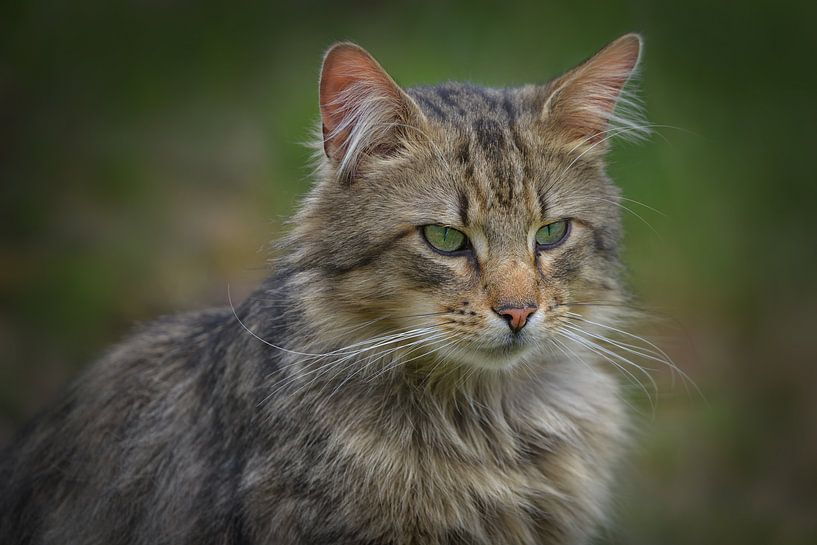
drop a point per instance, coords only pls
(149, 151)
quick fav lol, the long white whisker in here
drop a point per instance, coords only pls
(352, 356)
(593, 348)
(251, 332)
(326, 367)
(440, 337)
(564, 348)
(668, 359)
(398, 362)
(580, 332)
(647, 206)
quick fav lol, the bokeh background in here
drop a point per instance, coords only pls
(149, 151)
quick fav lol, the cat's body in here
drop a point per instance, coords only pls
(370, 391)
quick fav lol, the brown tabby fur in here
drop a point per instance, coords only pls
(286, 420)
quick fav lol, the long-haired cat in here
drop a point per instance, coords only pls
(414, 370)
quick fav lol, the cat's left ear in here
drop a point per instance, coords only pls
(365, 114)
(581, 104)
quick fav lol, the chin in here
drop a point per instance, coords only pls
(499, 358)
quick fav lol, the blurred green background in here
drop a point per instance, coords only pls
(150, 150)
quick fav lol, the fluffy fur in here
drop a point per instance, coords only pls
(368, 392)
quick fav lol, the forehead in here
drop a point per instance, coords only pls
(496, 152)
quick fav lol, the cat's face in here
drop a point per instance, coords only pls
(475, 220)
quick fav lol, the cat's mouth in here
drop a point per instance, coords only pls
(501, 355)
(514, 345)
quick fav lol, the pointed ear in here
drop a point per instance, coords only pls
(581, 104)
(363, 111)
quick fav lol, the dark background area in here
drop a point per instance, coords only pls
(149, 151)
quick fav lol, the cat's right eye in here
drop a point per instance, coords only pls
(445, 239)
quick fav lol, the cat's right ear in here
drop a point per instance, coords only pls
(364, 112)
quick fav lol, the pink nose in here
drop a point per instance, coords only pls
(516, 317)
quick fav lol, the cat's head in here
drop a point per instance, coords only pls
(473, 220)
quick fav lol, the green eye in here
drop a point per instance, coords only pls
(444, 239)
(552, 234)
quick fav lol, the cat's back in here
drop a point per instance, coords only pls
(145, 419)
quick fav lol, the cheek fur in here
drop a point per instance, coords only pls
(566, 266)
(566, 263)
(426, 273)
(452, 277)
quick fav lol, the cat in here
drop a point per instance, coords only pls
(413, 370)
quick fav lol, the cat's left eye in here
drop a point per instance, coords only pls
(552, 234)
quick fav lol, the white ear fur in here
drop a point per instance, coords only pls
(361, 107)
(592, 102)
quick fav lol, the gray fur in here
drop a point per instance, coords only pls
(258, 425)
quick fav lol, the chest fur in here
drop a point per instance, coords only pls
(475, 476)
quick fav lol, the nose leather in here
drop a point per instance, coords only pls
(516, 317)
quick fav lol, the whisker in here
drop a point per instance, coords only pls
(634, 349)
(351, 356)
(589, 345)
(398, 362)
(631, 211)
(369, 345)
(647, 206)
(563, 348)
(581, 332)
(430, 341)
(251, 332)
(667, 359)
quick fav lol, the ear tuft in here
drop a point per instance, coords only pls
(590, 104)
(362, 108)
